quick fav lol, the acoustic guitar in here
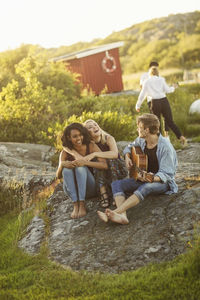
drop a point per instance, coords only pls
(140, 164)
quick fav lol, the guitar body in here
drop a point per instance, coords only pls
(140, 162)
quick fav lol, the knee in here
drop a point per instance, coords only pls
(81, 170)
(115, 183)
(66, 172)
(146, 189)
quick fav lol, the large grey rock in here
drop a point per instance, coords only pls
(35, 233)
(159, 229)
(28, 165)
(195, 107)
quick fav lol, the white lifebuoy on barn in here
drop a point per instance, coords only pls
(195, 107)
(109, 63)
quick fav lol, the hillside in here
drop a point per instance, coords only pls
(174, 41)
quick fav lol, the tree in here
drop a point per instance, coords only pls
(32, 105)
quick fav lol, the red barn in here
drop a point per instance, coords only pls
(99, 67)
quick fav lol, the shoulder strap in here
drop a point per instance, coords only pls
(87, 149)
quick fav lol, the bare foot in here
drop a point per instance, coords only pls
(82, 210)
(102, 216)
(115, 217)
(74, 214)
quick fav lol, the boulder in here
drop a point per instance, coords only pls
(160, 228)
(195, 107)
(28, 165)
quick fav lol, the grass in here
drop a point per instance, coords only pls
(35, 277)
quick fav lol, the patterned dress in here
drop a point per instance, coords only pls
(116, 170)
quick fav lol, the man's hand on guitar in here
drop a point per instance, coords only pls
(145, 177)
(128, 162)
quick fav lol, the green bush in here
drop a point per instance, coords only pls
(77, 107)
(124, 104)
(30, 107)
(194, 118)
(121, 126)
(193, 130)
(180, 102)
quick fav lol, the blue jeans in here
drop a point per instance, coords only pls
(140, 189)
(79, 183)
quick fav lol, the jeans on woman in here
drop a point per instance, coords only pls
(140, 189)
(78, 183)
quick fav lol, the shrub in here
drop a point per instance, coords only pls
(121, 126)
(31, 106)
(90, 103)
(193, 130)
(180, 102)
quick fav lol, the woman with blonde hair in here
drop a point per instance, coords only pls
(156, 88)
(109, 151)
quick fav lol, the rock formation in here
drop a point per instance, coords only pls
(195, 107)
(160, 227)
(27, 165)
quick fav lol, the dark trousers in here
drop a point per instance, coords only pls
(162, 107)
(150, 109)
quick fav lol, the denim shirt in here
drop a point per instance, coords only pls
(167, 160)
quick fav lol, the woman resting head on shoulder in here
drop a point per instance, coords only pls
(116, 166)
(105, 141)
(78, 179)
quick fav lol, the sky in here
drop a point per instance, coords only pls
(55, 23)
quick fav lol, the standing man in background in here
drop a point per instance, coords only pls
(145, 75)
(156, 87)
(143, 78)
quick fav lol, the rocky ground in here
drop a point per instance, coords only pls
(159, 229)
(26, 164)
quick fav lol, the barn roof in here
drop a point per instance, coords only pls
(88, 52)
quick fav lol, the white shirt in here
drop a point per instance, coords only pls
(143, 78)
(154, 87)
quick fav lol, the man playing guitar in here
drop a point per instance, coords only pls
(162, 162)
